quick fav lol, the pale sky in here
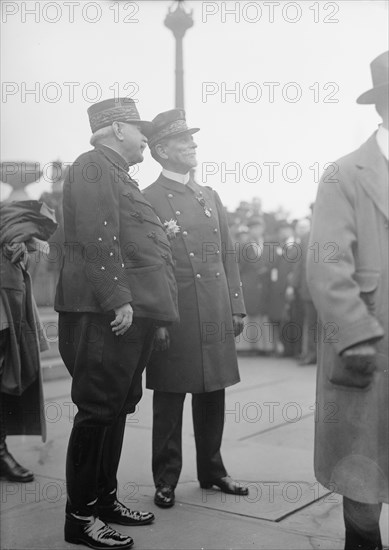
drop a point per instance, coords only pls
(243, 135)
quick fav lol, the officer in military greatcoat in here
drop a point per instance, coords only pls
(116, 285)
(196, 355)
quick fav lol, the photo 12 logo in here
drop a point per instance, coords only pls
(269, 92)
(270, 12)
(68, 92)
(69, 12)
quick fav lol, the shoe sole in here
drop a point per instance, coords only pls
(17, 479)
(211, 485)
(164, 504)
(131, 523)
(86, 543)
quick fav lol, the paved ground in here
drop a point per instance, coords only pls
(268, 445)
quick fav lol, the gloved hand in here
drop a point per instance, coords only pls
(360, 363)
(161, 339)
(238, 324)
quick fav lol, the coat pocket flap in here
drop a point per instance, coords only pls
(367, 280)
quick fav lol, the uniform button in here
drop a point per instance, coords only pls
(217, 251)
(115, 278)
(170, 196)
(102, 268)
(114, 238)
(105, 223)
(178, 213)
(100, 239)
(198, 276)
(217, 274)
(236, 294)
(215, 230)
(191, 254)
(111, 253)
(185, 233)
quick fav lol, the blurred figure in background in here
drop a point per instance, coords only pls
(280, 268)
(303, 296)
(254, 275)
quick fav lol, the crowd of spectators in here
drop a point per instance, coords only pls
(272, 252)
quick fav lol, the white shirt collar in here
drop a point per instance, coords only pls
(383, 141)
(175, 176)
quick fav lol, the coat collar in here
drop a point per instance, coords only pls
(177, 187)
(113, 156)
(373, 173)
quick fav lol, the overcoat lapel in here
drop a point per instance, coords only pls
(373, 174)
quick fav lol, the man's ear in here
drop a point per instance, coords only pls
(161, 151)
(117, 130)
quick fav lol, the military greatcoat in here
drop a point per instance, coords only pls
(116, 250)
(202, 355)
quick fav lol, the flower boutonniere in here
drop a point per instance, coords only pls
(200, 199)
(171, 229)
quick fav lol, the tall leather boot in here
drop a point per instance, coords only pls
(82, 468)
(112, 449)
(110, 509)
(82, 526)
(9, 468)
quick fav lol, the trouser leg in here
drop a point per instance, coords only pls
(110, 458)
(208, 423)
(167, 437)
(82, 468)
(104, 368)
(362, 525)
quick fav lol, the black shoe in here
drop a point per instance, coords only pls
(118, 513)
(164, 496)
(12, 470)
(94, 533)
(226, 485)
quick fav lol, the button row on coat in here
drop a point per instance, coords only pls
(198, 276)
(185, 233)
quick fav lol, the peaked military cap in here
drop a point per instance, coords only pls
(169, 124)
(120, 109)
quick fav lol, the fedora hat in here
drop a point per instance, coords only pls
(379, 71)
(169, 124)
(121, 109)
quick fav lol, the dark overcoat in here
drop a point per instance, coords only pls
(116, 250)
(254, 272)
(21, 381)
(202, 355)
(279, 270)
(348, 280)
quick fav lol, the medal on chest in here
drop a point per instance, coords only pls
(207, 211)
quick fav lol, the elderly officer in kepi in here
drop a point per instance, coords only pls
(115, 286)
(196, 355)
(350, 291)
